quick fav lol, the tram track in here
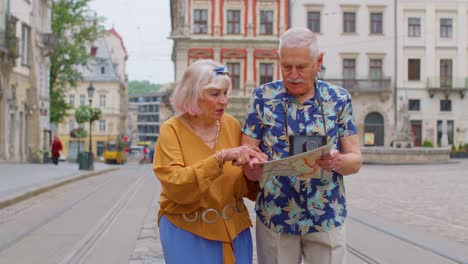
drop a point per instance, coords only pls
(419, 245)
(80, 252)
(29, 230)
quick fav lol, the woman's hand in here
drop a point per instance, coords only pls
(243, 155)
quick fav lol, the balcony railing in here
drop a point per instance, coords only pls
(447, 85)
(363, 85)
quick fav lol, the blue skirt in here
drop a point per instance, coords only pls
(180, 246)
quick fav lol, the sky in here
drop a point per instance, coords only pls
(144, 26)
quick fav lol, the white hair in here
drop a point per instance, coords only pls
(300, 37)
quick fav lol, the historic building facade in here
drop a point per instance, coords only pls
(357, 38)
(26, 42)
(433, 69)
(107, 74)
(243, 35)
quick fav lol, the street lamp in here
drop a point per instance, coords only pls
(91, 90)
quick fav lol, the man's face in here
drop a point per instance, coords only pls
(299, 69)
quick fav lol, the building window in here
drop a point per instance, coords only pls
(81, 125)
(349, 69)
(349, 22)
(266, 72)
(102, 125)
(200, 21)
(313, 21)
(414, 69)
(82, 99)
(450, 130)
(233, 21)
(446, 73)
(414, 27)
(266, 22)
(446, 28)
(71, 124)
(102, 100)
(450, 126)
(414, 105)
(376, 21)
(349, 73)
(234, 71)
(445, 105)
(375, 69)
(71, 100)
(103, 70)
(25, 43)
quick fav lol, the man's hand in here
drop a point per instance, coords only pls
(331, 162)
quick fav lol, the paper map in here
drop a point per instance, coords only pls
(301, 165)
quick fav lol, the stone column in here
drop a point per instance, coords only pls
(250, 81)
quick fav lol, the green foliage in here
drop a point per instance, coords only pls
(142, 87)
(454, 149)
(87, 113)
(78, 133)
(427, 144)
(76, 27)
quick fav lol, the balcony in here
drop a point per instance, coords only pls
(447, 86)
(9, 41)
(363, 85)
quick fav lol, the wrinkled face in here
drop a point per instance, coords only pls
(212, 103)
(299, 69)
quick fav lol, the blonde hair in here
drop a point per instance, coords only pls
(199, 76)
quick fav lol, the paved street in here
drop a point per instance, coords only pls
(429, 199)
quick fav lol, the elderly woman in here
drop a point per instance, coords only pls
(202, 217)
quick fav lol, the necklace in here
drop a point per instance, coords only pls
(214, 139)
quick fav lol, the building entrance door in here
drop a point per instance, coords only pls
(416, 128)
(374, 130)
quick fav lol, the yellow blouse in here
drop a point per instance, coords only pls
(193, 184)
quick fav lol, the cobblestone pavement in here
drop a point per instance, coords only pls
(432, 198)
(427, 197)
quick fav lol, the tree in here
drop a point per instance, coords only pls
(141, 87)
(87, 113)
(76, 27)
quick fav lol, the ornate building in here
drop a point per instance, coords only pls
(107, 74)
(243, 35)
(25, 43)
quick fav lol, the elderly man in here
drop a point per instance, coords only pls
(301, 219)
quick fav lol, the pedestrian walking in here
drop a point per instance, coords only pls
(56, 148)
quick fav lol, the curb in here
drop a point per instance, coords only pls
(16, 198)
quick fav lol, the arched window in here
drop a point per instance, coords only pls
(374, 130)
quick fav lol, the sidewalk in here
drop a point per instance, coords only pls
(22, 181)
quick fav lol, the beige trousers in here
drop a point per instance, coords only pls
(315, 248)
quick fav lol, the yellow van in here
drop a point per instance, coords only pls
(114, 153)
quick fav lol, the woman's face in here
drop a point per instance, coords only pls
(213, 102)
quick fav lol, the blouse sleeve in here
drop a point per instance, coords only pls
(180, 183)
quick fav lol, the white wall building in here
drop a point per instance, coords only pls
(357, 38)
(24, 101)
(433, 69)
(107, 73)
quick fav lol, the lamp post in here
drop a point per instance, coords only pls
(90, 153)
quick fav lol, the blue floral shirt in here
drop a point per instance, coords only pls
(287, 204)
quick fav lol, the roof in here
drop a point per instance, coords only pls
(115, 33)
